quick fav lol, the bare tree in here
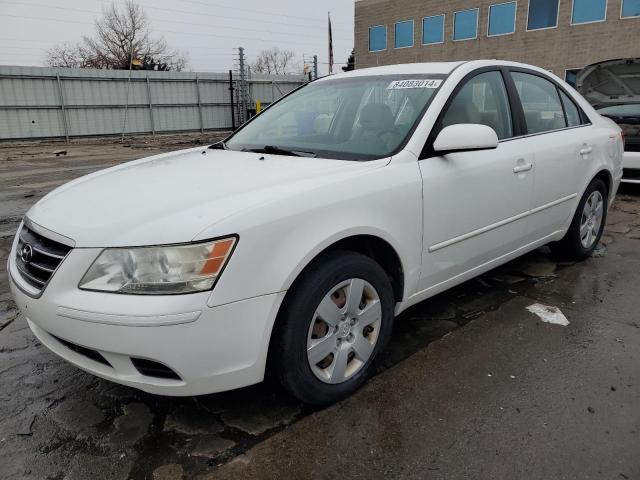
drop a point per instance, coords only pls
(67, 55)
(276, 62)
(122, 34)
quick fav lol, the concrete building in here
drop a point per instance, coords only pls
(560, 35)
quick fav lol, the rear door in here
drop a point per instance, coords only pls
(559, 134)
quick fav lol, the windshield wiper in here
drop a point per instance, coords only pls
(219, 146)
(273, 150)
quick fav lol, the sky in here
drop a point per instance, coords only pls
(208, 31)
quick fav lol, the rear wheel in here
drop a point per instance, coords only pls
(337, 317)
(587, 226)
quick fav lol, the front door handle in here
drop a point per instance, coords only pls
(523, 168)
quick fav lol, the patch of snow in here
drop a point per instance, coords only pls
(549, 314)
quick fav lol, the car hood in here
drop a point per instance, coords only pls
(613, 82)
(170, 198)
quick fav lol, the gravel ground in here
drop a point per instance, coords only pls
(57, 422)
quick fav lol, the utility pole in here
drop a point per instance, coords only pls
(126, 105)
(315, 67)
(233, 113)
(243, 86)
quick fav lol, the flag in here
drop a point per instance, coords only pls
(330, 47)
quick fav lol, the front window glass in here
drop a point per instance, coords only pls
(377, 38)
(588, 11)
(483, 100)
(542, 14)
(542, 108)
(358, 118)
(630, 8)
(465, 24)
(502, 18)
(404, 34)
(433, 29)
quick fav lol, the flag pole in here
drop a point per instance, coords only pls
(330, 45)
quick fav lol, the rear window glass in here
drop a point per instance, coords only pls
(572, 111)
(542, 108)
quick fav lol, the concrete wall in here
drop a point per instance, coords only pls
(56, 102)
(558, 49)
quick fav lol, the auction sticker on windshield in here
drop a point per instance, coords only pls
(424, 83)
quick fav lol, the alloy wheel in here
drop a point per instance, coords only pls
(591, 220)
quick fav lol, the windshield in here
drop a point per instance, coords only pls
(626, 110)
(357, 118)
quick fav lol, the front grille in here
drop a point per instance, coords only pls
(149, 368)
(38, 257)
(631, 147)
(84, 351)
(631, 174)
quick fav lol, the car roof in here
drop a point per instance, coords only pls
(443, 68)
(433, 68)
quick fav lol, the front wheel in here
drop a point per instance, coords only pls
(337, 317)
(587, 226)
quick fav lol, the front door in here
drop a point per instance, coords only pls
(475, 203)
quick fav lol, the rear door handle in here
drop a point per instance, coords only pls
(586, 151)
(523, 168)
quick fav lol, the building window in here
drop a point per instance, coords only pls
(377, 38)
(542, 14)
(404, 34)
(502, 19)
(465, 24)
(588, 11)
(630, 8)
(433, 30)
(571, 76)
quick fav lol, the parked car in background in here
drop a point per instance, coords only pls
(294, 244)
(613, 88)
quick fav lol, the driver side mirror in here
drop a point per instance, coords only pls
(465, 137)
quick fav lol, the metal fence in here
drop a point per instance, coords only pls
(40, 102)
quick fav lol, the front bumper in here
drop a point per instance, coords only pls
(211, 349)
(631, 166)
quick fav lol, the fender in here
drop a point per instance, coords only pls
(274, 249)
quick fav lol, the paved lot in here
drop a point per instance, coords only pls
(472, 385)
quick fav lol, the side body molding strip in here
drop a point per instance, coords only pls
(488, 228)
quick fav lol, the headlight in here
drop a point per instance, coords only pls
(163, 270)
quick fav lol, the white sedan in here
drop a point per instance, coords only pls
(292, 245)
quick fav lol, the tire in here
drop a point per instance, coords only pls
(574, 245)
(301, 325)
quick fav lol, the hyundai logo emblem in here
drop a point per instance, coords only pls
(26, 253)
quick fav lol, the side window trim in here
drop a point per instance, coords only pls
(585, 121)
(427, 150)
(563, 106)
(517, 111)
